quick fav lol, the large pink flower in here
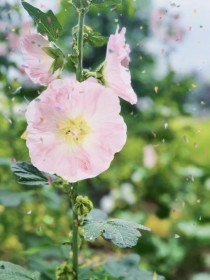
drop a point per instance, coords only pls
(74, 129)
(115, 71)
(36, 62)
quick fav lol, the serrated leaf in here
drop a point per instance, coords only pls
(47, 23)
(30, 175)
(10, 271)
(122, 233)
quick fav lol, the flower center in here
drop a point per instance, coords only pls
(74, 130)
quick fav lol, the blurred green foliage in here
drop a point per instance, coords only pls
(160, 179)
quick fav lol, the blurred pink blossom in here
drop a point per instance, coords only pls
(37, 63)
(166, 26)
(74, 129)
(3, 49)
(149, 156)
(116, 73)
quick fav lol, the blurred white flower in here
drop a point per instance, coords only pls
(145, 104)
(127, 192)
(107, 203)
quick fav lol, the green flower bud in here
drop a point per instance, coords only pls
(81, 232)
(64, 272)
(83, 205)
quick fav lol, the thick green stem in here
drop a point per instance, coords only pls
(79, 69)
(75, 232)
(79, 75)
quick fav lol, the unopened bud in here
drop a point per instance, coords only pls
(83, 205)
(64, 272)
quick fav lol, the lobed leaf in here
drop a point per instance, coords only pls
(15, 272)
(122, 233)
(47, 23)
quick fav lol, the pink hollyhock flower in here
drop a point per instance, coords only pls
(36, 62)
(115, 71)
(74, 129)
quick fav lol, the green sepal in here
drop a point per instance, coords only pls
(84, 4)
(47, 23)
(64, 272)
(91, 37)
(58, 57)
(95, 39)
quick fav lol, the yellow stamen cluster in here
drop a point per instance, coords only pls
(74, 130)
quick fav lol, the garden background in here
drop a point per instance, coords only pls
(162, 176)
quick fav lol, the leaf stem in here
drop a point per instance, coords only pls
(75, 232)
(79, 70)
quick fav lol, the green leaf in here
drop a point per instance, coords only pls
(127, 268)
(47, 23)
(9, 271)
(30, 175)
(122, 233)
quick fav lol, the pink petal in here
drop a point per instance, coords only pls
(116, 73)
(37, 62)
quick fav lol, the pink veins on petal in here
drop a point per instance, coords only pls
(74, 129)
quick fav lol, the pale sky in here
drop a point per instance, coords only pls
(193, 54)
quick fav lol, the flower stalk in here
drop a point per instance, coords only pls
(80, 39)
(74, 231)
(79, 76)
